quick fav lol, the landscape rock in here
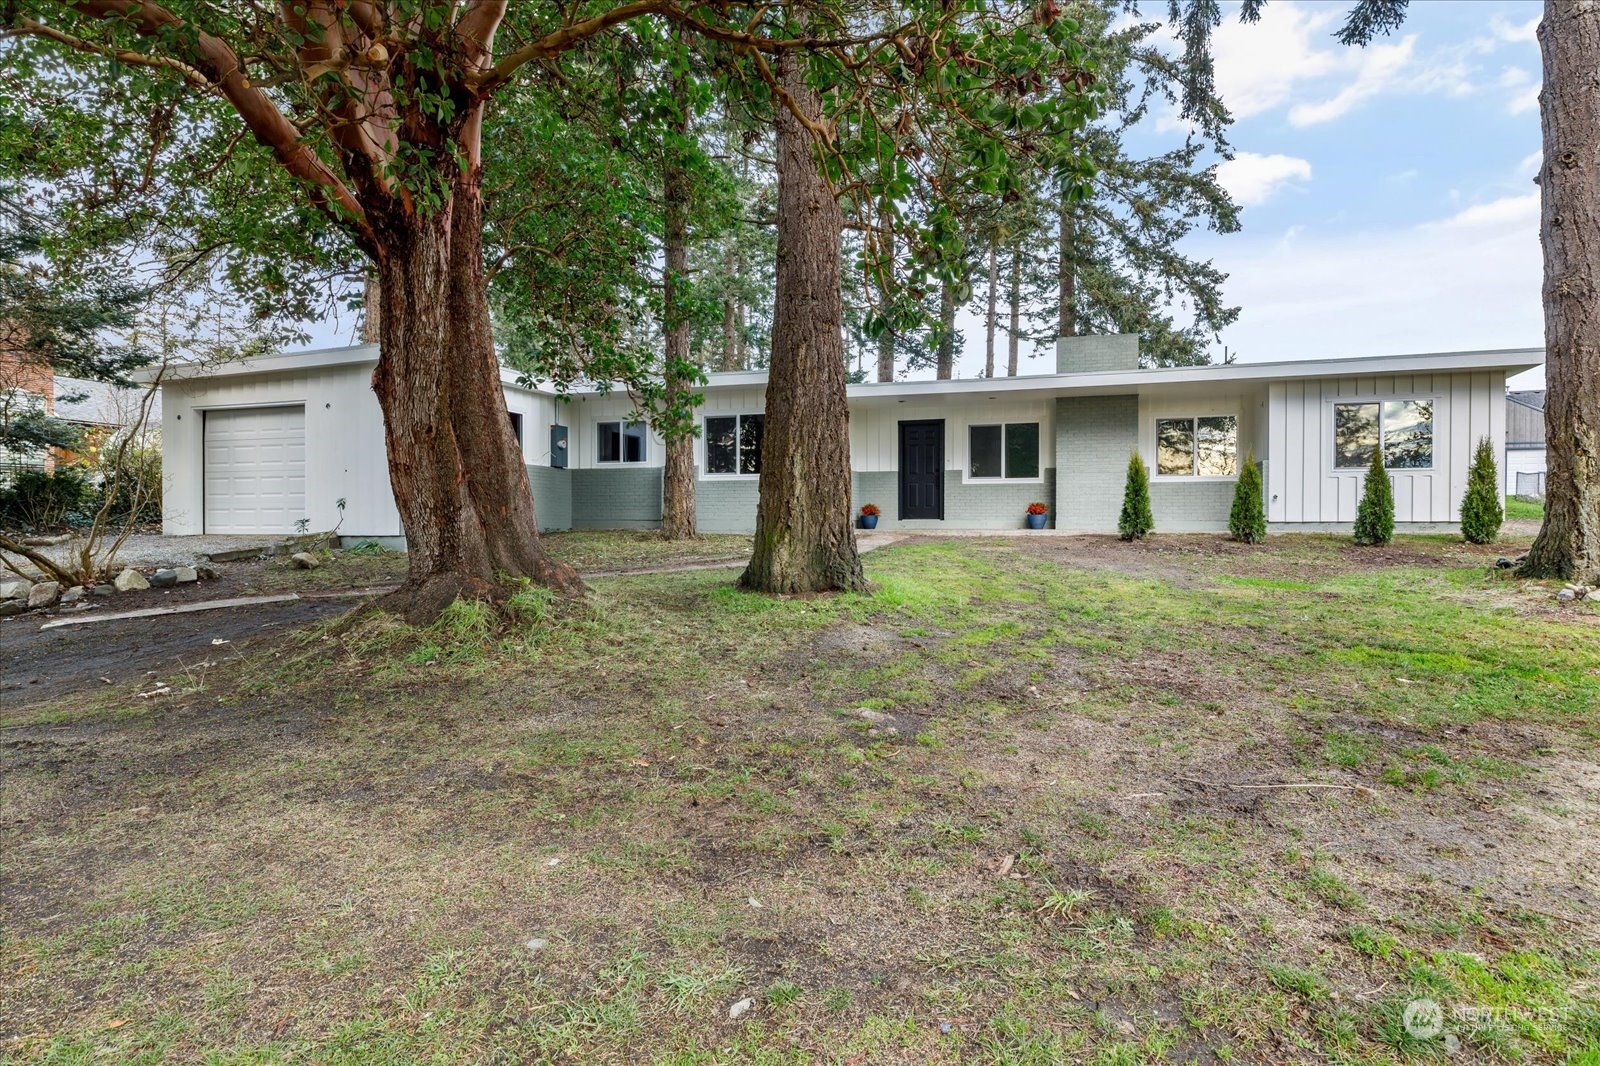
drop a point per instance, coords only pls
(305, 560)
(740, 1007)
(871, 715)
(536, 943)
(15, 590)
(1503, 563)
(101, 590)
(187, 574)
(72, 595)
(163, 579)
(43, 594)
(11, 607)
(1564, 596)
(130, 580)
(205, 571)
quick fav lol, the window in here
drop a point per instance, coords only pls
(1009, 451)
(516, 424)
(1197, 447)
(621, 442)
(733, 443)
(1403, 428)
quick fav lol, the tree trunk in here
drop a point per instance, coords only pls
(947, 331)
(1015, 296)
(803, 540)
(886, 338)
(1568, 544)
(371, 309)
(456, 470)
(1066, 273)
(677, 484)
(730, 311)
(991, 320)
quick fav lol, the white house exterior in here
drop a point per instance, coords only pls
(1524, 462)
(258, 446)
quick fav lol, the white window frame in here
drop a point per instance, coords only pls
(966, 467)
(1189, 479)
(1331, 424)
(738, 430)
(621, 460)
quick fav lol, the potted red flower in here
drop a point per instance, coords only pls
(869, 516)
(1037, 514)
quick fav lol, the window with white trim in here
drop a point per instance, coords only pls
(1206, 446)
(1403, 428)
(621, 442)
(733, 443)
(1003, 452)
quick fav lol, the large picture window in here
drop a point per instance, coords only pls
(1402, 428)
(1009, 451)
(621, 442)
(733, 443)
(1197, 447)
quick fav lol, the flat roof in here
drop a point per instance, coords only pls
(1511, 360)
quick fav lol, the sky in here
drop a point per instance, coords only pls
(1387, 193)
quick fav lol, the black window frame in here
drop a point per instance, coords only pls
(747, 427)
(622, 428)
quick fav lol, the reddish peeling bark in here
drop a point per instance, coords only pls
(1568, 544)
(803, 540)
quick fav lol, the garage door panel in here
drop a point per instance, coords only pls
(255, 477)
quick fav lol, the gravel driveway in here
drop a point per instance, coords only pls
(145, 550)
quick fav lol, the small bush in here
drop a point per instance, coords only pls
(132, 478)
(40, 500)
(1248, 519)
(1137, 519)
(1375, 515)
(1481, 513)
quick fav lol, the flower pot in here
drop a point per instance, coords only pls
(869, 521)
(1036, 521)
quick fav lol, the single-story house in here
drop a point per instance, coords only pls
(258, 446)
(1524, 454)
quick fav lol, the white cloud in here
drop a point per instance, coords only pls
(1506, 211)
(1253, 179)
(1522, 90)
(1258, 67)
(1514, 32)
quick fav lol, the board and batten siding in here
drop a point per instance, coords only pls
(345, 453)
(1304, 488)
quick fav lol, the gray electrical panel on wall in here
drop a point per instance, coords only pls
(558, 447)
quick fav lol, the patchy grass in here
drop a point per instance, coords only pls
(1528, 510)
(1061, 836)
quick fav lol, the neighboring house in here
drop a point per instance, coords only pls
(27, 388)
(1524, 452)
(99, 410)
(254, 447)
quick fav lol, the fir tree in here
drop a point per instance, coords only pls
(1481, 510)
(1248, 519)
(1137, 521)
(1375, 515)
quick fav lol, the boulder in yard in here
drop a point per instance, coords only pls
(15, 590)
(44, 594)
(1566, 595)
(101, 590)
(305, 560)
(164, 578)
(11, 607)
(72, 595)
(186, 574)
(205, 571)
(130, 580)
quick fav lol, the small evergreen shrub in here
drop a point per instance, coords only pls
(1137, 519)
(40, 500)
(1248, 519)
(1375, 515)
(1481, 512)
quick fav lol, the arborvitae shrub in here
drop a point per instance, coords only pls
(1248, 519)
(1481, 509)
(1137, 519)
(1375, 515)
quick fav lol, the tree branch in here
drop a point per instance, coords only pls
(554, 43)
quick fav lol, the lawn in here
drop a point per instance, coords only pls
(1524, 510)
(1032, 800)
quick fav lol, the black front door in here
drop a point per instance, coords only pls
(922, 469)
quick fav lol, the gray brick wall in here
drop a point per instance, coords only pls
(967, 505)
(1199, 507)
(620, 497)
(1094, 437)
(726, 506)
(552, 496)
(1077, 355)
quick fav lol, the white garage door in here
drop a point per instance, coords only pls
(255, 470)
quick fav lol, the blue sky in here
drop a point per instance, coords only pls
(1387, 193)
